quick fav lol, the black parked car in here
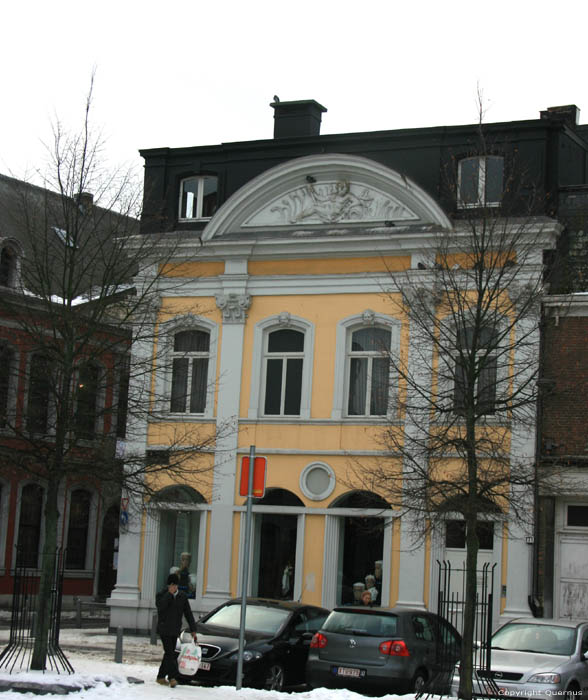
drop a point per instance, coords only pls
(277, 640)
(396, 650)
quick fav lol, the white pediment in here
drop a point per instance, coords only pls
(323, 191)
(331, 202)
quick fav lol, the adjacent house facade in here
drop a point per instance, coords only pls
(273, 328)
(88, 526)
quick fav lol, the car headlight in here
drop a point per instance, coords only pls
(545, 678)
(248, 655)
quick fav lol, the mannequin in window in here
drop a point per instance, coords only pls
(287, 580)
(186, 579)
(370, 585)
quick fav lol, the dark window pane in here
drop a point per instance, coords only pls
(179, 385)
(77, 536)
(578, 516)
(209, 196)
(487, 385)
(459, 388)
(494, 178)
(357, 386)
(199, 384)
(7, 267)
(38, 400)
(87, 401)
(6, 367)
(293, 387)
(455, 534)
(191, 341)
(469, 169)
(370, 340)
(485, 531)
(380, 382)
(29, 527)
(123, 398)
(286, 340)
(273, 387)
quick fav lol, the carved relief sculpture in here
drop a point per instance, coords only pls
(233, 306)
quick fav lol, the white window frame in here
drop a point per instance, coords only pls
(164, 368)
(197, 214)
(261, 332)
(482, 168)
(345, 330)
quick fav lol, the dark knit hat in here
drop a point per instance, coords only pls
(173, 578)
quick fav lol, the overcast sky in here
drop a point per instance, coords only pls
(188, 73)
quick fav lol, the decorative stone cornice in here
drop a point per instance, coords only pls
(233, 306)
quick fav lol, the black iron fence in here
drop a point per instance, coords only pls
(451, 606)
(24, 622)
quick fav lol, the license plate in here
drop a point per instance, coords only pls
(350, 672)
(204, 666)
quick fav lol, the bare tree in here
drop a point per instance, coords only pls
(86, 293)
(467, 375)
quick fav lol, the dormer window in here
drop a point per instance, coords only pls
(198, 197)
(480, 181)
(8, 260)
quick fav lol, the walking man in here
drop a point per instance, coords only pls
(172, 605)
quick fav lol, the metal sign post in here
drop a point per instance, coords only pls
(245, 571)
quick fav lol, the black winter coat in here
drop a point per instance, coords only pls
(170, 611)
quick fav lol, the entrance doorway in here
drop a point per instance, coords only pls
(274, 566)
(108, 552)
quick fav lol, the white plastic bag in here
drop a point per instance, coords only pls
(189, 658)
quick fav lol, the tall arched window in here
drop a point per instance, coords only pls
(189, 386)
(29, 525)
(87, 393)
(77, 531)
(39, 394)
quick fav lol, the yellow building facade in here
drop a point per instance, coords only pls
(274, 323)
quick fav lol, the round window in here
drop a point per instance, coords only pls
(317, 481)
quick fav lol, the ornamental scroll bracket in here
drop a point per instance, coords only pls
(233, 306)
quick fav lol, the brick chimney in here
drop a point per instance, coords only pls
(297, 118)
(569, 114)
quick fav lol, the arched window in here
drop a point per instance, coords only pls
(366, 384)
(77, 532)
(179, 535)
(29, 525)
(189, 385)
(281, 376)
(283, 364)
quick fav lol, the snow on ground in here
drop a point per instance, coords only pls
(91, 653)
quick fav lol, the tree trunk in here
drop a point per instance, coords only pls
(466, 667)
(47, 578)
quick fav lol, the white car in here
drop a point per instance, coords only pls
(537, 658)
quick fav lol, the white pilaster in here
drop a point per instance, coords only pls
(233, 303)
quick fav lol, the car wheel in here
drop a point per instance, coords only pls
(573, 691)
(419, 681)
(274, 678)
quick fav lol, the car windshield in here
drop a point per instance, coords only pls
(258, 618)
(369, 624)
(541, 639)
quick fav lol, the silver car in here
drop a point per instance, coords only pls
(537, 658)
